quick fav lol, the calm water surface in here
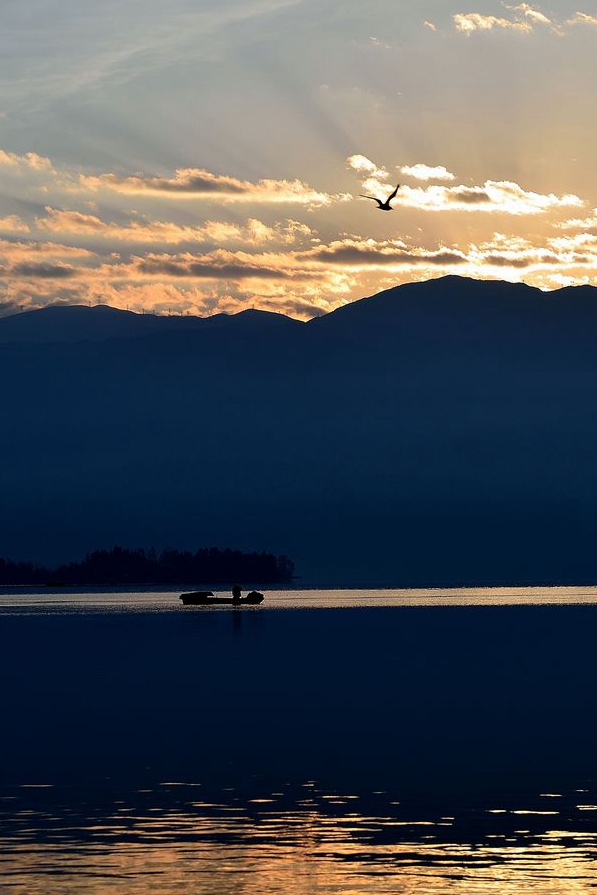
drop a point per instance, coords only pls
(116, 705)
(113, 600)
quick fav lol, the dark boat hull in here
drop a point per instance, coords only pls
(206, 598)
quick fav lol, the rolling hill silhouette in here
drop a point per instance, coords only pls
(76, 323)
(439, 432)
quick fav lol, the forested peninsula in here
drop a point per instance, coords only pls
(208, 565)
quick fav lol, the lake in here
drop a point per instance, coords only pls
(338, 741)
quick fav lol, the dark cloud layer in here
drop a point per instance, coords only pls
(44, 271)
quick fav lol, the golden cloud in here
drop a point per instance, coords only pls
(503, 196)
(15, 251)
(302, 282)
(532, 12)
(253, 232)
(506, 197)
(353, 256)
(29, 160)
(192, 183)
(197, 183)
(425, 172)
(470, 22)
(357, 254)
(313, 265)
(364, 165)
(13, 224)
(582, 18)
(219, 263)
(579, 223)
(525, 21)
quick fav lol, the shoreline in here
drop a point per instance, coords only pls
(224, 587)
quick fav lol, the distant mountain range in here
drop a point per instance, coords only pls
(439, 432)
(76, 323)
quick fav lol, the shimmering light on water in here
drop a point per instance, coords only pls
(102, 600)
(166, 840)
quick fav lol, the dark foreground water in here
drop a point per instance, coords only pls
(420, 742)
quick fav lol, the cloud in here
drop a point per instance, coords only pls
(9, 307)
(14, 224)
(501, 196)
(503, 256)
(197, 183)
(219, 265)
(14, 251)
(79, 253)
(583, 18)
(430, 25)
(380, 44)
(58, 221)
(589, 223)
(504, 197)
(113, 45)
(185, 183)
(46, 271)
(357, 253)
(425, 172)
(253, 232)
(344, 259)
(374, 179)
(302, 282)
(510, 252)
(575, 242)
(525, 19)
(364, 165)
(34, 260)
(470, 22)
(532, 13)
(30, 160)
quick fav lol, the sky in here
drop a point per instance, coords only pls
(203, 156)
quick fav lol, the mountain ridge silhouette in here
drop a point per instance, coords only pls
(441, 432)
(68, 323)
(477, 300)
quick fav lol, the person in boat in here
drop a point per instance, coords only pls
(236, 592)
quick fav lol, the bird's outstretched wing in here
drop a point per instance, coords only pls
(393, 196)
(368, 197)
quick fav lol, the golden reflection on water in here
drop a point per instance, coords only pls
(18, 601)
(170, 842)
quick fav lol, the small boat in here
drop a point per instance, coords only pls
(206, 598)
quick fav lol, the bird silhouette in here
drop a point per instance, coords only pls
(383, 206)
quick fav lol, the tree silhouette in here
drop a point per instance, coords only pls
(121, 565)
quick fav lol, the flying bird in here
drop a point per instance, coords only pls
(383, 206)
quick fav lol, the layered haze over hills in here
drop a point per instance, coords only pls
(437, 433)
